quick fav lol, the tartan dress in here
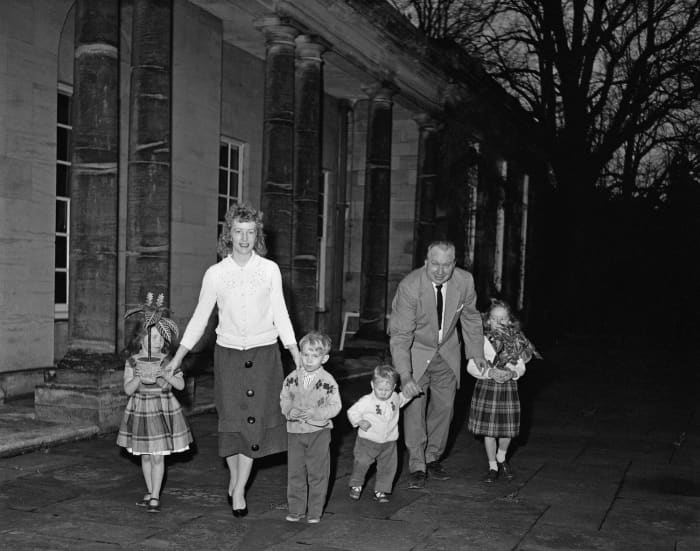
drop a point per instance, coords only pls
(153, 422)
(495, 407)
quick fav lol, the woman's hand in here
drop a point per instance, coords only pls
(296, 356)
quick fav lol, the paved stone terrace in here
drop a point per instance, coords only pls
(608, 459)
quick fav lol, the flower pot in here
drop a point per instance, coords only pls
(148, 368)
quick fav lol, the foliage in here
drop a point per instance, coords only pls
(153, 314)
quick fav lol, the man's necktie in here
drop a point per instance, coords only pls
(439, 305)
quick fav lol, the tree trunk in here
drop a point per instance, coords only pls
(148, 194)
(94, 178)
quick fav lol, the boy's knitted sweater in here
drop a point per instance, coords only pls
(382, 414)
(321, 398)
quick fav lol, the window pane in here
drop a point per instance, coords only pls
(235, 153)
(234, 185)
(63, 144)
(61, 251)
(223, 155)
(60, 288)
(64, 109)
(61, 216)
(223, 182)
(62, 180)
(222, 208)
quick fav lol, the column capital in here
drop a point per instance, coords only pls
(380, 91)
(426, 121)
(277, 30)
(310, 47)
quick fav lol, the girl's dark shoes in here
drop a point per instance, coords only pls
(505, 470)
(491, 476)
(144, 501)
(153, 505)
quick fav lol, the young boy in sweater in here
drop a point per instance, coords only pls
(309, 400)
(377, 416)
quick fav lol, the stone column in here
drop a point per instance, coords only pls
(94, 178)
(376, 214)
(148, 181)
(512, 248)
(86, 387)
(344, 118)
(278, 141)
(470, 207)
(426, 186)
(307, 177)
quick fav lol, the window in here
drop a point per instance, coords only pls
(232, 164)
(323, 221)
(63, 166)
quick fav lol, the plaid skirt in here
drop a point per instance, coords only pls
(153, 423)
(495, 409)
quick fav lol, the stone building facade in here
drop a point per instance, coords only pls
(359, 139)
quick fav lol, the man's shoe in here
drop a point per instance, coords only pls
(416, 480)
(355, 492)
(381, 497)
(506, 470)
(491, 476)
(293, 517)
(436, 471)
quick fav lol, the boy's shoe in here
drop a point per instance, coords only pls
(293, 517)
(491, 476)
(506, 470)
(355, 492)
(313, 520)
(436, 471)
(416, 480)
(381, 497)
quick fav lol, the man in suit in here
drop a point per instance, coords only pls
(426, 353)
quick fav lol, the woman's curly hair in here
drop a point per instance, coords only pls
(242, 212)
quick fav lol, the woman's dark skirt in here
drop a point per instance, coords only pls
(495, 409)
(247, 386)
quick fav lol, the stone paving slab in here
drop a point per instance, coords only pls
(342, 533)
(676, 520)
(29, 541)
(572, 537)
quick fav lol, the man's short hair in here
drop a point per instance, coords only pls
(444, 245)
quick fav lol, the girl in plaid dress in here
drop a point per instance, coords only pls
(153, 424)
(495, 406)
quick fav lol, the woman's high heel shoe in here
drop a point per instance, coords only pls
(238, 513)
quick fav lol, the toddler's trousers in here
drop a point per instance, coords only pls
(367, 452)
(308, 471)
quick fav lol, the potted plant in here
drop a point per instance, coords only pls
(153, 316)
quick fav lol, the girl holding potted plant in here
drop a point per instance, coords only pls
(153, 424)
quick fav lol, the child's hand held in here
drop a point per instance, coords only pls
(364, 424)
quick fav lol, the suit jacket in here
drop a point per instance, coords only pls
(413, 328)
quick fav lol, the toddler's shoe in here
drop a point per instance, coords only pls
(293, 517)
(313, 520)
(381, 497)
(355, 492)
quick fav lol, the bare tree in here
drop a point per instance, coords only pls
(600, 78)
